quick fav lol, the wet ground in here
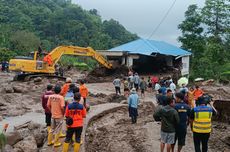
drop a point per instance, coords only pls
(108, 132)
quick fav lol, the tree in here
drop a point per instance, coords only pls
(206, 34)
(192, 38)
(24, 42)
(216, 16)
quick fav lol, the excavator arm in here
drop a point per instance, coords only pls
(54, 56)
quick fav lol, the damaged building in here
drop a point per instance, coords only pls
(150, 56)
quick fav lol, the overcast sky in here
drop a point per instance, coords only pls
(142, 16)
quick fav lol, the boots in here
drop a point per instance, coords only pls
(50, 139)
(65, 147)
(76, 147)
(56, 140)
(62, 135)
(48, 129)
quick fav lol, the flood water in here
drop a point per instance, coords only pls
(18, 120)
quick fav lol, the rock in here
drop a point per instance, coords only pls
(38, 79)
(208, 82)
(1, 118)
(33, 126)
(29, 144)
(124, 102)
(9, 89)
(8, 148)
(18, 150)
(40, 136)
(13, 137)
(18, 89)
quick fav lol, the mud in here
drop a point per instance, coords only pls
(114, 132)
(102, 74)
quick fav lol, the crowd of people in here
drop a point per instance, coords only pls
(177, 109)
(65, 106)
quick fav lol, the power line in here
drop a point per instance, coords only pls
(158, 26)
(163, 19)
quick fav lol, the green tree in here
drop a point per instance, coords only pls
(24, 42)
(216, 16)
(192, 38)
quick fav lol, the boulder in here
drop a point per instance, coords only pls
(13, 137)
(38, 79)
(40, 136)
(9, 89)
(1, 118)
(18, 150)
(34, 126)
(29, 144)
(18, 89)
(8, 148)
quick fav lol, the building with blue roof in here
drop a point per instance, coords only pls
(151, 55)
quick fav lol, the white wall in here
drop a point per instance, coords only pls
(185, 65)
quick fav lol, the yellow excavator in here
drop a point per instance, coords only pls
(45, 64)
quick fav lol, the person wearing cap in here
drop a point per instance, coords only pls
(181, 129)
(56, 105)
(45, 98)
(77, 112)
(200, 120)
(65, 87)
(133, 101)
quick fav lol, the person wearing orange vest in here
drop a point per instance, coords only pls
(65, 87)
(201, 124)
(83, 91)
(75, 114)
(197, 93)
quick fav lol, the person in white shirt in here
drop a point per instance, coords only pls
(172, 87)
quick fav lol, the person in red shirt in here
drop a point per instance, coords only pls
(77, 112)
(45, 98)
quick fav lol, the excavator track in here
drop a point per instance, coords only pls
(29, 76)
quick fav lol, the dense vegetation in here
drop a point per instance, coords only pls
(206, 33)
(26, 24)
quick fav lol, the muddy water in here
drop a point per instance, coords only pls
(114, 131)
(15, 121)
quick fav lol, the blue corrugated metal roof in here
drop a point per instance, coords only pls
(147, 47)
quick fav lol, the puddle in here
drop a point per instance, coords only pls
(18, 120)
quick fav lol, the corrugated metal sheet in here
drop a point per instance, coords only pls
(148, 47)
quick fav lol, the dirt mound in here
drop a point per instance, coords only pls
(102, 74)
(223, 108)
(113, 131)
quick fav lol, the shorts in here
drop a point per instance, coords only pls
(180, 136)
(48, 119)
(167, 138)
(142, 91)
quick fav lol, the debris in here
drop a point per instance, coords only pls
(13, 137)
(208, 82)
(18, 89)
(38, 79)
(8, 148)
(29, 144)
(25, 125)
(9, 89)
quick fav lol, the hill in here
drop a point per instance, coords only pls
(25, 24)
